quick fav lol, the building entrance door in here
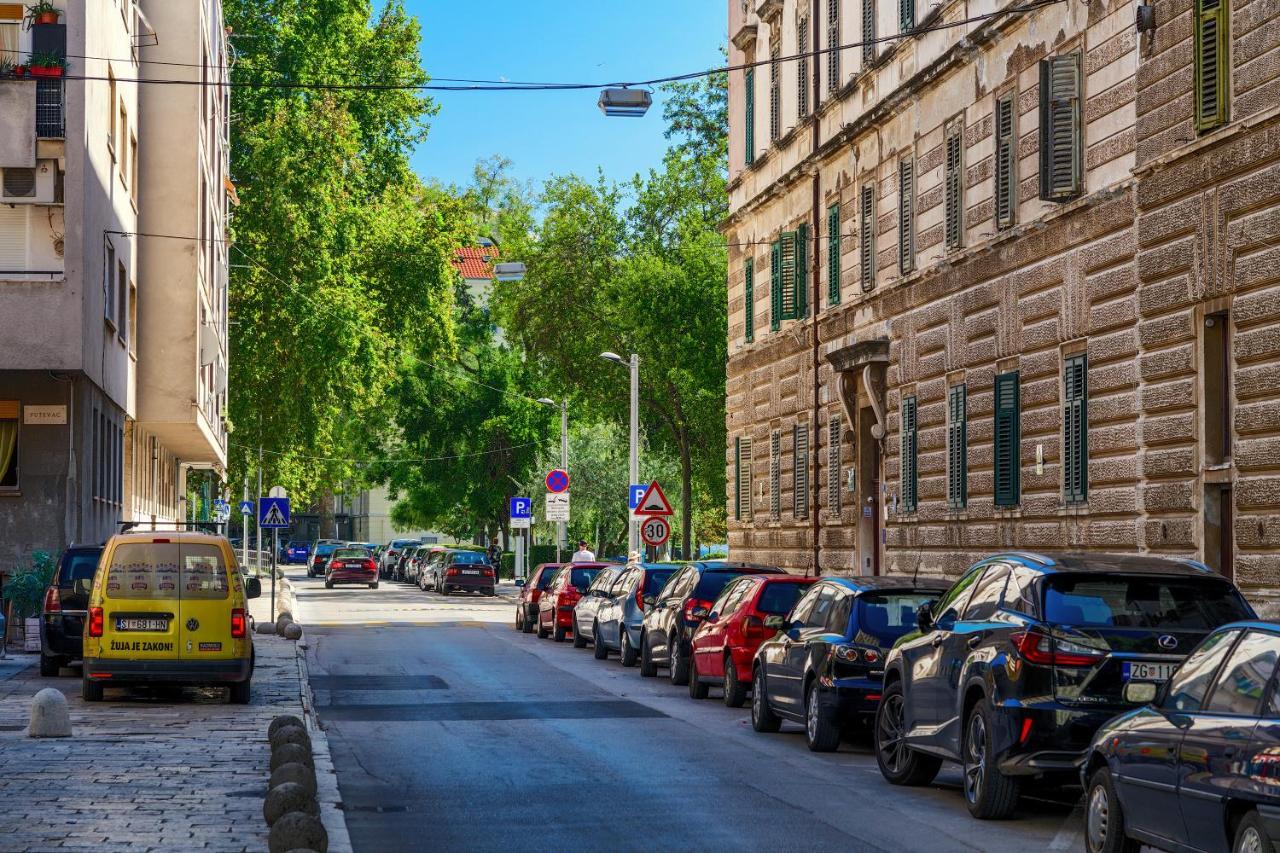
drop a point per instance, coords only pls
(868, 494)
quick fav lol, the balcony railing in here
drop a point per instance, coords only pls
(51, 121)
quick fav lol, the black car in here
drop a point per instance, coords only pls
(463, 571)
(319, 557)
(66, 603)
(1199, 767)
(825, 668)
(1025, 658)
(680, 607)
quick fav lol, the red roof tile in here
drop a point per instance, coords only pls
(475, 261)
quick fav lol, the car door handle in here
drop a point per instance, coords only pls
(974, 642)
(937, 640)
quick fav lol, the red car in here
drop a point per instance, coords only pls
(351, 565)
(531, 590)
(555, 605)
(749, 611)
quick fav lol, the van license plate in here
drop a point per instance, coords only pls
(471, 571)
(1138, 671)
(133, 624)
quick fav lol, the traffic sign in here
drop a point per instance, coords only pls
(521, 508)
(521, 523)
(635, 494)
(246, 507)
(273, 512)
(655, 531)
(557, 506)
(557, 480)
(277, 492)
(221, 510)
(654, 502)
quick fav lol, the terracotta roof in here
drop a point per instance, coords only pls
(475, 261)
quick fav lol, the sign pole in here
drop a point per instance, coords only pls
(275, 549)
(244, 523)
(258, 541)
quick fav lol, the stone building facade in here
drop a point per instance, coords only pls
(1000, 278)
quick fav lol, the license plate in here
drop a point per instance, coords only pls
(1139, 671)
(471, 571)
(134, 624)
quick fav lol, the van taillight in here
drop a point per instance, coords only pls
(640, 598)
(237, 623)
(95, 621)
(52, 601)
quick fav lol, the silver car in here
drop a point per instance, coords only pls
(621, 615)
(391, 555)
(584, 612)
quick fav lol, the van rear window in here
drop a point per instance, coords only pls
(146, 570)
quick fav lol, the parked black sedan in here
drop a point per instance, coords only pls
(1026, 657)
(66, 603)
(680, 607)
(825, 668)
(1199, 767)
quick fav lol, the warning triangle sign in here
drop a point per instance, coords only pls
(274, 517)
(654, 502)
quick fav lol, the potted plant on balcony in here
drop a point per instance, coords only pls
(47, 65)
(42, 12)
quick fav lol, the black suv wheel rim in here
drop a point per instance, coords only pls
(975, 755)
(757, 695)
(811, 715)
(1098, 819)
(893, 753)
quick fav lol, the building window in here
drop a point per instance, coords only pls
(1006, 163)
(133, 318)
(1075, 429)
(802, 68)
(1212, 62)
(906, 15)
(749, 116)
(1216, 379)
(775, 95)
(123, 156)
(112, 100)
(133, 166)
(1008, 436)
(10, 28)
(775, 475)
(957, 447)
(9, 420)
(834, 478)
(789, 262)
(749, 300)
(953, 179)
(122, 302)
(868, 31)
(867, 237)
(109, 286)
(833, 254)
(1061, 132)
(906, 216)
(910, 451)
(742, 472)
(833, 42)
(801, 472)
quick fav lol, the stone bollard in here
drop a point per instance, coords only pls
(287, 798)
(293, 631)
(49, 715)
(290, 753)
(281, 721)
(291, 734)
(298, 831)
(265, 628)
(299, 774)
(282, 620)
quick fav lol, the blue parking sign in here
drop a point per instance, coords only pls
(636, 494)
(522, 507)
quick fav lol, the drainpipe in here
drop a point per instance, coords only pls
(816, 440)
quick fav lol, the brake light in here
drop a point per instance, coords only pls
(753, 628)
(488, 573)
(95, 621)
(371, 565)
(1035, 646)
(1026, 731)
(52, 601)
(640, 598)
(451, 572)
(237, 623)
(695, 609)
(160, 541)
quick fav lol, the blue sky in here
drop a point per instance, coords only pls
(549, 133)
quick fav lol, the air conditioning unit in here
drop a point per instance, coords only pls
(30, 186)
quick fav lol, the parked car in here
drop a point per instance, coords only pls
(748, 611)
(1198, 768)
(391, 556)
(320, 555)
(169, 607)
(584, 612)
(825, 668)
(1026, 656)
(66, 603)
(400, 571)
(678, 610)
(463, 571)
(418, 568)
(622, 615)
(351, 564)
(297, 551)
(531, 590)
(555, 605)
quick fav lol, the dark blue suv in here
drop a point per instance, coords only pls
(1026, 656)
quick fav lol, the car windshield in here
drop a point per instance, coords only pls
(886, 616)
(468, 558)
(351, 554)
(544, 579)
(325, 550)
(656, 579)
(400, 543)
(779, 598)
(297, 544)
(1142, 602)
(582, 578)
(78, 566)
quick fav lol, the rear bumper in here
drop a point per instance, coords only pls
(468, 584)
(62, 636)
(1057, 743)
(169, 671)
(351, 577)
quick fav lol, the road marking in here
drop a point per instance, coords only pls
(357, 623)
(1070, 837)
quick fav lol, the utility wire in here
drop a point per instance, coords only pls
(405, 460)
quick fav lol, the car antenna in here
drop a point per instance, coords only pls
(915, 573)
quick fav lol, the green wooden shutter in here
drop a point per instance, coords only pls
(749, 116)
(868, 31)
(867, 237)
(800, 476)
(1008, 436)
(1212, 62)
(957, 447)
(801, 281)
(775, 285)
(775, 96)
(953, 178)
(910, 451)
(787, 265)
(833, 42)
(749, 300)
(834, 478)
(737, 479)
(1006, 162)
(906, 15)
(744, 479)
(833, 254)
(802, 67)
(1061, 132)
(1075, 430)
(775, 475)
(906, 216)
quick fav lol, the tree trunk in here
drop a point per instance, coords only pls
(326, 515)
(686, 497)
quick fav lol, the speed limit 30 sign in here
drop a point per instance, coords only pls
(655, 530)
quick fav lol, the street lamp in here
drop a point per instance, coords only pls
(510, 271)
(628, 103)
(564, 460)
(633, 537)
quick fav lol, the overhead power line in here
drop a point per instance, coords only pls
(409, 460)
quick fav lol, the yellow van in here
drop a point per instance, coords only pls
(169, 607)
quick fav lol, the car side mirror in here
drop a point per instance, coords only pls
(519, 581)
(924, 617)
(1140, 692)
(253, 588)
(777, 623)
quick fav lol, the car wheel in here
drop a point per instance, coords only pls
(50, 665)
(1104, 820)
(648, 669)
(444, 590)
(899, 763)
(697, 687)
(735, 694)
(559, 632)
(821, 732)
(1252, 836)
(526, 624)
(579, 639)
(542, 632)
(519, 626)
(90, 690)
(679, 666)
(628, 654)
(762, 717)
(990, 794)
(328, 584)
(373, 585)
(601, 650)
(240, 692)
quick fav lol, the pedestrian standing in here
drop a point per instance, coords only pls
(583, 554)
(494, 561)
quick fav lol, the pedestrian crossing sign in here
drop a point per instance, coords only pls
(273, 512)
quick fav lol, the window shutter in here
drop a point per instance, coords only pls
(1008, 434)
(867, 238)
(737, 479)
(1212, 66)
(906, 15)
(801, 475)
(749, 300)
(833, 41)
(1075, 430)
(910, 449)
(1006, 175)
(801, 282)
(833, 255)
(906, 216)
(744, 479)
(834, 474)
(957, 447)
(868, 31)
(954, 188)
(787, 276)
(775, 475)
(802, 67)
(13, 238)
(775, 285)
(749, 116)
(1060, 128)
(775, 96)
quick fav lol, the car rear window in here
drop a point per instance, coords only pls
(1142, 602)
(710, 584)
(325, 550)
(351, 554)
(656, 579)
(544, 578)
(160, 570)
(886, 616)
(582, 578)
(779, 598)
(296, 544)
(400, 543)
(78, 566)
(468, 558)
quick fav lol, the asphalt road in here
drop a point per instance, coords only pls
(451, 731)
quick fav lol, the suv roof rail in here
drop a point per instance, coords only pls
(1032, 557)
(214, 527)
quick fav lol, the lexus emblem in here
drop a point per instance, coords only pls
(1168, 641)
(194, 625)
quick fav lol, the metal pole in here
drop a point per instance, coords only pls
(275, 549)
(258, 541)
(244, 524)
(633, 540)
(561, 528)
